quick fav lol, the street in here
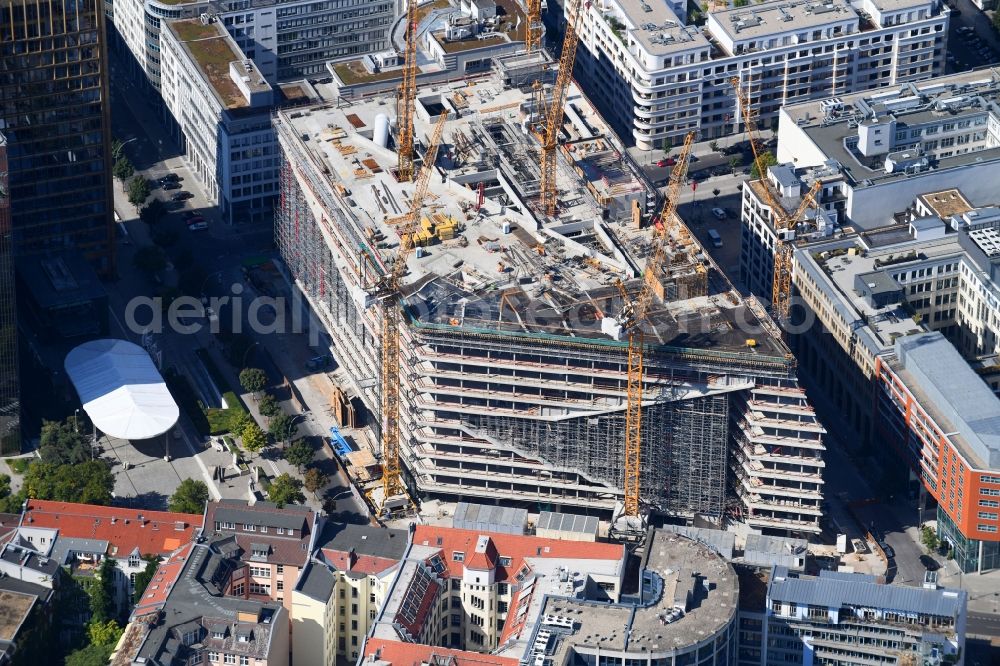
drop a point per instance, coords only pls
(219, 252)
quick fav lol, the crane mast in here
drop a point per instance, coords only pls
(387, 289)
(555, 111)
(406, 99)
(781, 279)
(533, 38)
(632, 316)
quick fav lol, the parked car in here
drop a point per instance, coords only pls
(188, 214)
(173, 177)
(198, 226)
(719, 213)
(181, 196)
(171, 185)
(929, 563)
(666, 162)
(318, 362)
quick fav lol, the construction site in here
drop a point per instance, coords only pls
(513, 360)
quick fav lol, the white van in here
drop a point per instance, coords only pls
(714, 236)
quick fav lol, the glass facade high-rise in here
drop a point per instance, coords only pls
(10, 419)
(54, 111)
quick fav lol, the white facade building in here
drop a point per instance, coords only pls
(222, 105)
(658, 77)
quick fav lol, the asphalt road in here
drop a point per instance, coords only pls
(983, 624)
(964, 47)
(219, 251)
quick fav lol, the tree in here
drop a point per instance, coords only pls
(153, 212)
(61, 442)
(767, 159)
(929, 538)
(314, 479)
(254, 439)
(90, 482)
(282, 427)
(149, 259)
(285, 489)
(299, 453)
(92, 655)
(734, 163)
(253, 380)
(189, 497)
(123, 169)
(138, 191)
(716, 192)
(117, 149)
(241, 423)
(713, 146)
(104, 633)
(102, 593)
(142, 579)
(268, 405)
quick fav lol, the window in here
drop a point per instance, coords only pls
(279, 568)
(261, 572)
(501, 589)
(195, 658)
(458, 556)
(229, 658)
(263, 530)
(504, 561)
(260, 588)
(990, 479)
(190, 637)
(281, 585)
(987, 528)
(986, 515)
(213, 656)
(989, 503)
(280, 530)
(244, 660)
(250, 528)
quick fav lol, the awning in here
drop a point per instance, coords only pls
(121, 390)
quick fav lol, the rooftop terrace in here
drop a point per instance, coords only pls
(212, 50)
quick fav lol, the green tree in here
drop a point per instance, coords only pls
(104, 633)
(149, 259)
(123, 169)
(299, 453)
(713, 146)
(734, 163)
(117, 149)
(285, 489)
(61, 442)
(254, 439)
(153, 212)
(142, 579)
(92, 655)
(268, 405)
(102, 593)
(138, 191)
(90, 482)
(314, 480)
(189, 497)
(282, 427)
(929, 538)
(253, 380)
(766, 159)
(241, 424)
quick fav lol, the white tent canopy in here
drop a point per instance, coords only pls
(121, 390)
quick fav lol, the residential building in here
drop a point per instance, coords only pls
(29, 585)
(657, 76)
(263, 548)
(79, 536)
(56, 120)
(195, 623)
(508, 392)
(849, 618)
(286, 41)
(10, 395)
(222, 107)
(379, 652)
(341, 589)
(465, 590)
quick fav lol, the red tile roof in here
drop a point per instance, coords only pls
(362, 564)
(514, 546)
(283, 549)
(8, 526)
(398, 653)
(163, 581)
(158, 533)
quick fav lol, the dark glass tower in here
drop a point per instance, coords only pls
(55, 113)
(10, 420)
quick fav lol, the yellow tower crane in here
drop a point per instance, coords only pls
(533, 38)
(784, 223)
(407, 95)
(554, 113)
(387, 291)
(631, 319)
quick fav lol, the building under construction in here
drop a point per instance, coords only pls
(513, 379)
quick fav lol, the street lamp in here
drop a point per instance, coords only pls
(76, 421)
(243, 364)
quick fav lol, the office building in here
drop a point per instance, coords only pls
(56, 119)
(222, 107)
(852, 619)
(338, 595)
(657, 76)
(514, 367)
(10, 395)
(286, 40)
